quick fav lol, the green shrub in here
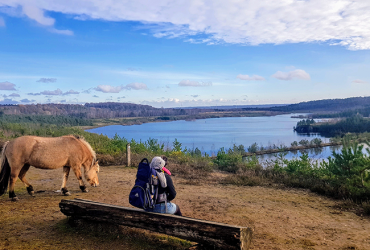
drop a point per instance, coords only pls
(304, 142)
(253, 148)
(366, 207)
(228, 162)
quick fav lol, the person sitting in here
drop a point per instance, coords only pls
(166, 189)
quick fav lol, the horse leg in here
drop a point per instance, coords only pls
(22, 177)
(13, 179)
(78, 174)
(66, 170)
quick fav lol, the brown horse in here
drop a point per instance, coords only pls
(47, 153)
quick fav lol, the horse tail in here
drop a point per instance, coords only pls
(5, 171)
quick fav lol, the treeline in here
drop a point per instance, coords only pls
(45, 119)
(348, 113)
(96, 110)
(304, 126)
(353, 124)
(326, 105)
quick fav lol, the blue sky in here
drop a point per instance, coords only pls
(183, 53)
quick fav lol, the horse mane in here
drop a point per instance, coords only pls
(81, 139)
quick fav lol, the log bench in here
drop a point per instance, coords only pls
(207, 233)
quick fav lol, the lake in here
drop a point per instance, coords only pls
(209, 135)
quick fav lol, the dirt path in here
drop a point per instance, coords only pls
(282, 219)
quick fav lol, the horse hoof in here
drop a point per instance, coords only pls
(32, 193)
(85, 191)
(67, 194)
(14, 199)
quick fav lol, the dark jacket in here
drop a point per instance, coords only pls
(170, 189)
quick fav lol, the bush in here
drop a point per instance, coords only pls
(366, 207)
(294, 144)
(253, 148)
(228, 162)
(316, 141)
(177, 146)
(304, 142)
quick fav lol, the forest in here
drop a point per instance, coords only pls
(96, 110)
(354, 124)
(327, 105)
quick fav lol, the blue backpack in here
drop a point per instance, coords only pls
(144, 193)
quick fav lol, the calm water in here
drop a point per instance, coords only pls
(209, 135)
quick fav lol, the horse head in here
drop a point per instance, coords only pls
(92, 174)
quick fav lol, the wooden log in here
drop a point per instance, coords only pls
(216, 235)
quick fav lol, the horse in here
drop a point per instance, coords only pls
(47, 153)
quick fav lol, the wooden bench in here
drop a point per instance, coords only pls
(207, 233)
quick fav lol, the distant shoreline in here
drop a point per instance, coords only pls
(129, 121)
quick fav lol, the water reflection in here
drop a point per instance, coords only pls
(317, 154)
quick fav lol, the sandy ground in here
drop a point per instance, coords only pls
(281, 219)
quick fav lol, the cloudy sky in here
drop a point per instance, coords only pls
(173, 53)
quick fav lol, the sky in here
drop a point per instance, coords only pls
(177, 53)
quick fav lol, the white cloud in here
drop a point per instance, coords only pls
(168, 75)
(87, 91)
(251, 78)
(8, 101)
(37, 14)
(359, 81)
(71, 92)
(291, 75)
(47, 80)
(14, 95)
(2, 22)
(189, 83)
(33, 94)
(27, 101)
(7, 86)
(61, 32)
(109, 89)
(338, 22)
(52, 92)
(34, 11)
(136, 86)
(175, 102)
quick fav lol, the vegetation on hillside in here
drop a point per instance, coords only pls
(336, 105)
(365, 112)
(45, 119)
(353, 124)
